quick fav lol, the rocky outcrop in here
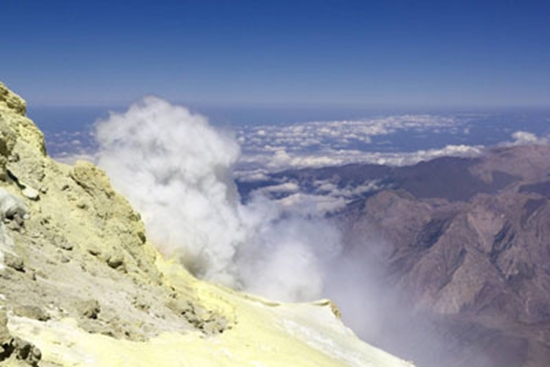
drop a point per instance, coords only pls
(13, 350)
(80, 283)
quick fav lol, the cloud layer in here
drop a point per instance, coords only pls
(338, 134)
(323, 143)
(392, 139)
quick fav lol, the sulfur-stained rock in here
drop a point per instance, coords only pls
(32, 311)
(4, 332)
(11, 101)
(115, 262)
(25, 352)
(15, 262)
(31, 193)
(90, 309)
(14, 349)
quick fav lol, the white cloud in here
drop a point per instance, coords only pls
(306, 203)
(526, 138)
(282, 159)
(326, 134)
(287, 187)
(329, 143)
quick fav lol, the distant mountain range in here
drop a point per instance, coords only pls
(466, 239)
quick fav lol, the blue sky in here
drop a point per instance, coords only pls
(279, 53)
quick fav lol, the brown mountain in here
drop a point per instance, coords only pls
(465, 245)
(468, 242)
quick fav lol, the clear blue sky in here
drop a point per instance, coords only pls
(251, 53)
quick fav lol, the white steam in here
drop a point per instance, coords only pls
(176, 170)
(287, 256)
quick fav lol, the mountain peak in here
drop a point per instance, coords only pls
(11, 101)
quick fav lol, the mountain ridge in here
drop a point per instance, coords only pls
(464, 241)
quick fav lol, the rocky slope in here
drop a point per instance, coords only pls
(81, 285)
(468, 242)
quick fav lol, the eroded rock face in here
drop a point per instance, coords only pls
(13, 350)
(480, 264)
(75, 246)
(81, 284)
(11, 101)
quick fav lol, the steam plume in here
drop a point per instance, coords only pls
(176, 170)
